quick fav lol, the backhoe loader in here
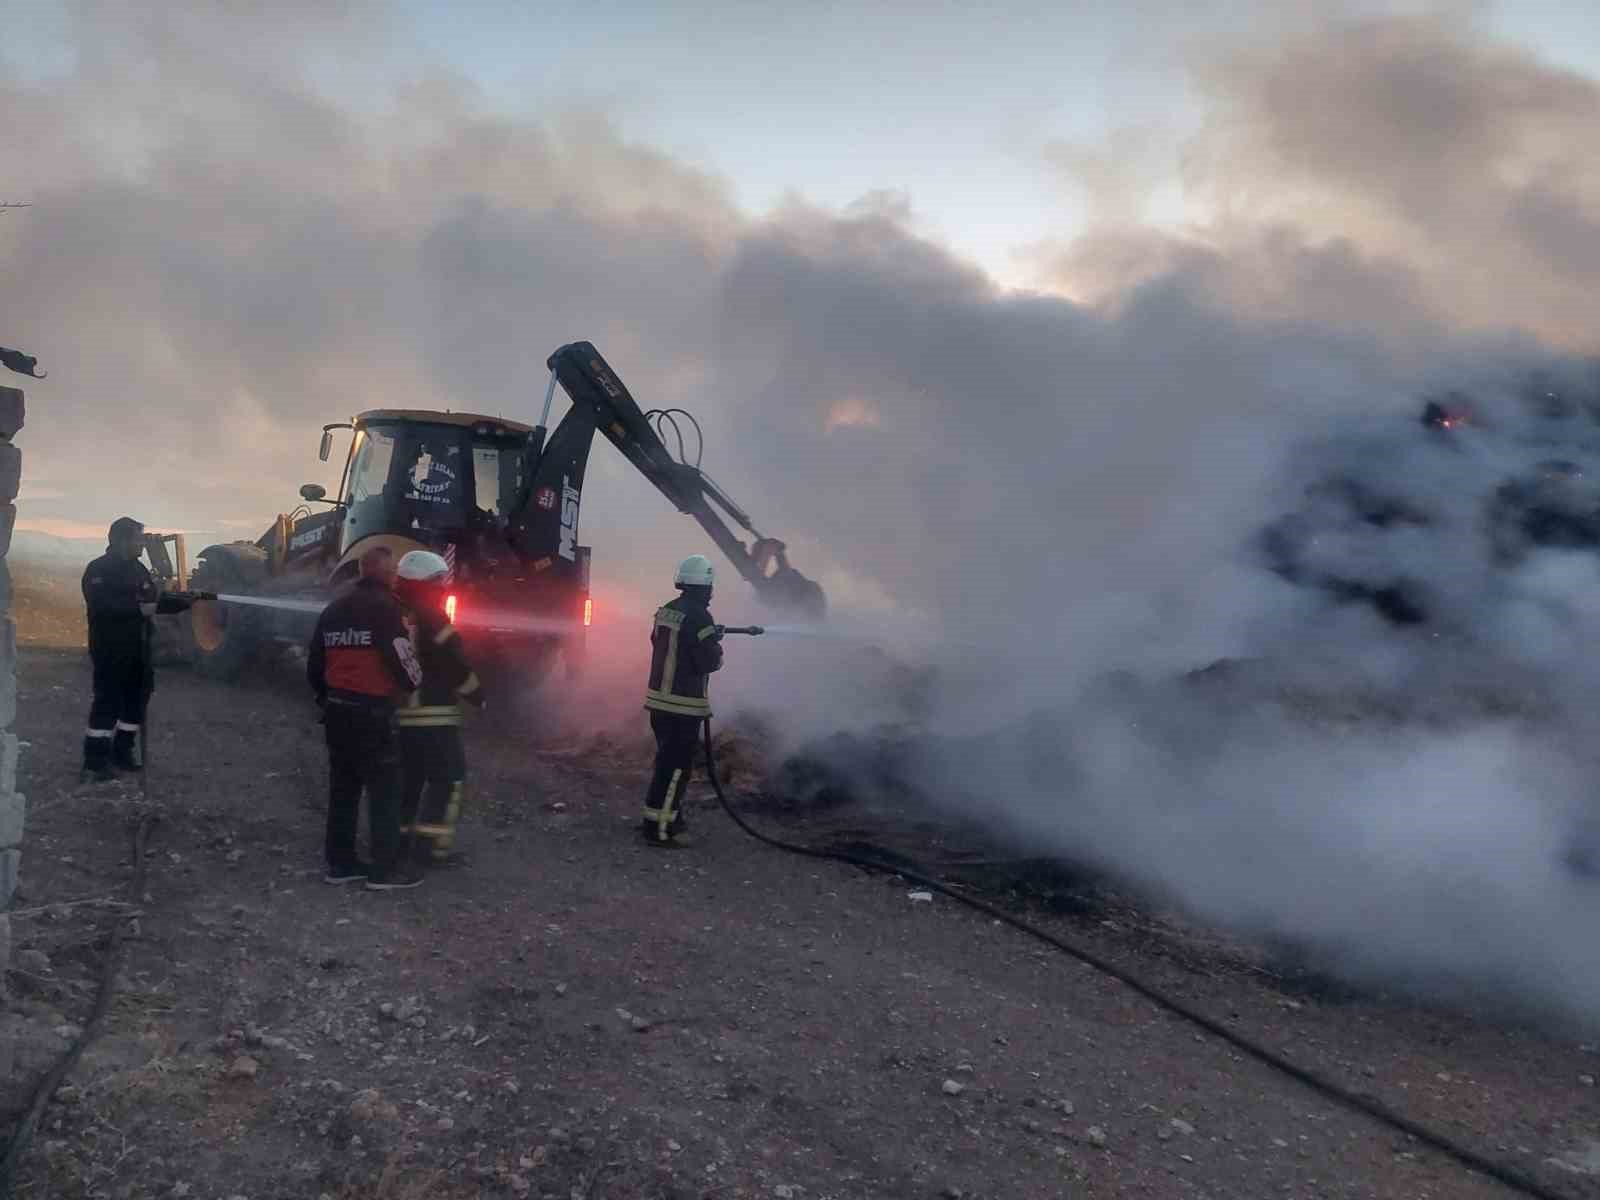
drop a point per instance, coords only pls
(500, 501)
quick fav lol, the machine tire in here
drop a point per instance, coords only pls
(222, 637)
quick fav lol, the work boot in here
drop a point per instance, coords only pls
(355, 872)
(96, 761)
(125, 750)
(393, 879)
(673, 841)
(425, 853)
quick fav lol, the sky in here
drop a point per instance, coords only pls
(951, 108)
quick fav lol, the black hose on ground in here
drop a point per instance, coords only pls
(22, 1136)
(1508, 1174)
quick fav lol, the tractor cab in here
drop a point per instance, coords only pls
(438, 479)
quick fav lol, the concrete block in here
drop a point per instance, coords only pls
(10, 867)
(5, 587)
(11, 411)
(8, 522)
(8, 673)
(13, 817)
(9, 753)
(5, 966)
(10, 471)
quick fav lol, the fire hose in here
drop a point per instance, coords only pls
(22, 1136)
(1502, 1172)
(17, 1145)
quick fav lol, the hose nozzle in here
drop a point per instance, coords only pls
(751, 630)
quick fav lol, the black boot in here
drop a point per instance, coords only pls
(96, 760)
(125, 750)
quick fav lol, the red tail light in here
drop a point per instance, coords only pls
(588, 612)
(450, 607)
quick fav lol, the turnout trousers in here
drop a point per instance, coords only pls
(676, 739)
(435, 766)
(121, 694)
(362, 756)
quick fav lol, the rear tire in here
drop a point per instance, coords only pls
(223, 636)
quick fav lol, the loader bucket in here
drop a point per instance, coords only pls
(791, 592)
(782, 587)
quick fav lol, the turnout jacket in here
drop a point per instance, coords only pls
(447, 676)
(113, 590)
(685, 649)
(361, 652)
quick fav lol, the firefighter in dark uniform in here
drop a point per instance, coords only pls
(361, 666)
(432, 757)
(686, 647)
(121, 597)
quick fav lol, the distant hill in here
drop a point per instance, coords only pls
(47, 549)
(52, 551)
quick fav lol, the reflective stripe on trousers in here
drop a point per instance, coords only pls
(429, 714)
(671, 702)
(443, 835)
(663, 816)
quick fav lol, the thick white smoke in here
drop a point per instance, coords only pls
(1409, 799)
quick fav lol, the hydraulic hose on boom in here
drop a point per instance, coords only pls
(601, 402)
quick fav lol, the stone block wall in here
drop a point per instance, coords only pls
(13, 805)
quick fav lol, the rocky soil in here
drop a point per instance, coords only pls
(568, 1014)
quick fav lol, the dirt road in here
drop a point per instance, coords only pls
(569, 1014)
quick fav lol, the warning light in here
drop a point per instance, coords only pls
(450, 607)
(588, 612)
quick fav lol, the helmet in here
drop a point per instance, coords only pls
(694, 571)
(423, 566)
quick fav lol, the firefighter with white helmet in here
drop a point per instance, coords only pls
(686, 648)
(432, 755)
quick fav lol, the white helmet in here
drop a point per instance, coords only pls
(423, 566)
(694, 571)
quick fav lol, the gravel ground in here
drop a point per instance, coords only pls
(569, 1014)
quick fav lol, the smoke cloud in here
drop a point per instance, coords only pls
(1046, 507)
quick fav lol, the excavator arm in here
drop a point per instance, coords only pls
(601, 402)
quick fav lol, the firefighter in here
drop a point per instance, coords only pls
(686, 647)
(361, 665)
(121, 597)
(432, 756)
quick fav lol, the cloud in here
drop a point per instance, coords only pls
(1360, 171)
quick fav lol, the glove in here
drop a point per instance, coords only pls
(147, 609)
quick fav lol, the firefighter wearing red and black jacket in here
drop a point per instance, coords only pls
(432, 755)
(686, 647)
(121, 597)
(361, 665)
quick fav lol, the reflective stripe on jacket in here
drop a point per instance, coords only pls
(447, 676)
(684, 651)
